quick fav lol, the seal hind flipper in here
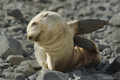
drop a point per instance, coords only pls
(85, 43)
(86, 26)
(91, 48)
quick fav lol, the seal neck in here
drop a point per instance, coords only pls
(57, 40)
(52, 43)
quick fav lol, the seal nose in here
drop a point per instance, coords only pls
(30, 38)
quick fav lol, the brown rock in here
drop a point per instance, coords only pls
(15, 59)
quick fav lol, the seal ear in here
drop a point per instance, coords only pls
(86, 26)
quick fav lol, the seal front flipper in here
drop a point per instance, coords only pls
(86, 26)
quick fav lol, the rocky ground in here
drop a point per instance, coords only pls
(17, 61)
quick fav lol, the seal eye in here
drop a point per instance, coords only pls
(34, 23)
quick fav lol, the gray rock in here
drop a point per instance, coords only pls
(102, 77)
(9, 46)
(117, 76)
(29, 45)
(111, 30)
(33, 77)
(103, 69)
(26, 68)
(91, 70)
(9, 69)
(56, 6)
(71, 79)
(0, 72)
(85, 11)
(102, 8)
(111, 60)
(46, 74)
(1, 60)
(77, 74)
(15, 59)
(87, 78)
(102, 46)
(5, 65)
(115, 2)
(106, 52)
(19, 76)
(115, 36)
(12, 75)
(34, 64)
(2, 13)
(115, 20)
(3, 78)
(77, 78)
(15, 28)
(117, 48)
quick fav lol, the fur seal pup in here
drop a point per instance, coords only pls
(54, 41)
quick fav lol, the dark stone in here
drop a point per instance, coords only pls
(117, 76)
(114, 66)
(102, 8)
(17, 14)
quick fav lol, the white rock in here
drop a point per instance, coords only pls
(25, 68)
(115, 20)
(34, 64)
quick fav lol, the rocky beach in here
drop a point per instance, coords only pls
(17, 59)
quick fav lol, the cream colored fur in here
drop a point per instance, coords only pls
(54, 47)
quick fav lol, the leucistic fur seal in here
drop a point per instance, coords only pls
(57, 45)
